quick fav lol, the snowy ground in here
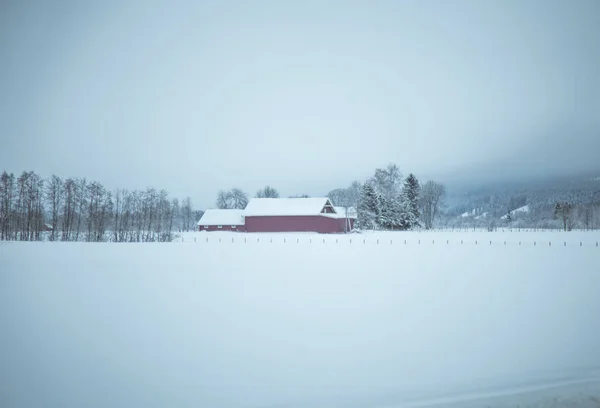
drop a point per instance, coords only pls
(525, 237)
(287, 320)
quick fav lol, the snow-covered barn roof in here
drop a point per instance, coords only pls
(286, 206)
(222, 217)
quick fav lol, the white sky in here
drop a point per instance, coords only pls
(305, 96)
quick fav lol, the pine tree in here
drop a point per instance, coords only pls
(385, 214)
(369, 208)
(391, 213)
(410, 201)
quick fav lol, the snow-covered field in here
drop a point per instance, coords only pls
(525, 237)
(287, 320)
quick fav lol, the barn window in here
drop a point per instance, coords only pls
(219, 226)
(233, 227)
(206, 226)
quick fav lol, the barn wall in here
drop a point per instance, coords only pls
(324, 225)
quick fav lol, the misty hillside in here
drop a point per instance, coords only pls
(524, 203)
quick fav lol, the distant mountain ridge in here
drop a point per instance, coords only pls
(501, 202)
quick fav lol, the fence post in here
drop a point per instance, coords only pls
(194, 239)
(404, 242)
(549, 243)
(206, 239)
(490, 242)
(377, 240)
(232, 240)
(580, 243)
(219, 239)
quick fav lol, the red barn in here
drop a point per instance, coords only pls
(295, 214)
(222, 220)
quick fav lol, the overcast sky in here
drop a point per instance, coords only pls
(302, 95)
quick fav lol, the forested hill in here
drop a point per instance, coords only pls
(529, 203)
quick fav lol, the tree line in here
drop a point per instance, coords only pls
(388, 201)
(75, 209)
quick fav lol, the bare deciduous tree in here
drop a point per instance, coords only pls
(432, 195)
(235, 198)
(80, 200)
(186, 213)
(267, 192)
(30, 209)
(7, 213)
(176, 215)
(240, 199)
(564, 212)
(54, 193)
(69, 208)
(223, 199)
(118, 210)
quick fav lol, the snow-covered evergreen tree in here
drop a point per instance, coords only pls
(410, 200)
(406, 217)
(391, 213)
(369, 207)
